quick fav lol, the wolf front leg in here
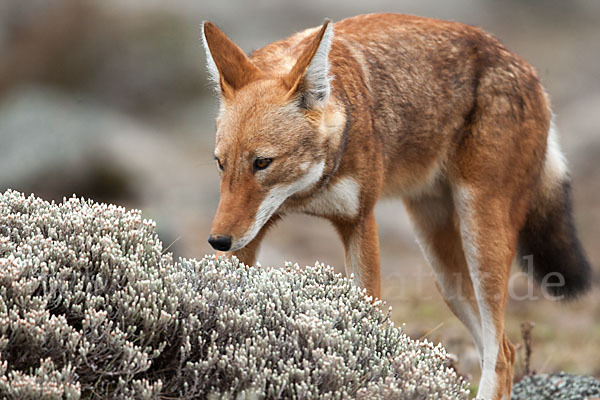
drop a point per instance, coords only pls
(361, 245)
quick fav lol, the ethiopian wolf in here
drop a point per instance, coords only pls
(436, 113)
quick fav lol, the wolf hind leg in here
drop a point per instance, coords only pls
(438, 235)
(489, 243)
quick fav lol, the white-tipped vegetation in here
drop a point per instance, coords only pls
(90, 307)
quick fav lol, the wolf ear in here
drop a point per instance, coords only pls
(227, 64)
(309, 79)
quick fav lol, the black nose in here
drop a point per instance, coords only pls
(221, 243)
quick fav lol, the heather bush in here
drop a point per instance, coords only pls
(90, 307)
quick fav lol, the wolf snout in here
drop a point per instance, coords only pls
(220, 242)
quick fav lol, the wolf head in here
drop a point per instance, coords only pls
(274, 128)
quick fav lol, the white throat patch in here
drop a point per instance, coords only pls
(341, 199)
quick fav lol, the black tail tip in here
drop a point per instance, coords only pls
(561, 283)
(550, 248)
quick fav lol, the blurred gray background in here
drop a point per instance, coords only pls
(110, 100)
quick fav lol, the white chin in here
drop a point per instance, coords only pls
(238, 245)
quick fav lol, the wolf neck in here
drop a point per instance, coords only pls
(334, 129)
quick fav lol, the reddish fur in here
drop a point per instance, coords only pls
(235, 70)
(420, 109)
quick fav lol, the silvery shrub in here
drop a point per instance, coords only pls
(91, 306)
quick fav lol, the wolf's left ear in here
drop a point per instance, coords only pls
(309, 79)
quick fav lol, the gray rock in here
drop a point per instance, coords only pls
(559, 386)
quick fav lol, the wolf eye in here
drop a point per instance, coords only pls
(261, 163)
(221, 167)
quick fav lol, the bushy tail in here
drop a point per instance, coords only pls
(549, 238)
